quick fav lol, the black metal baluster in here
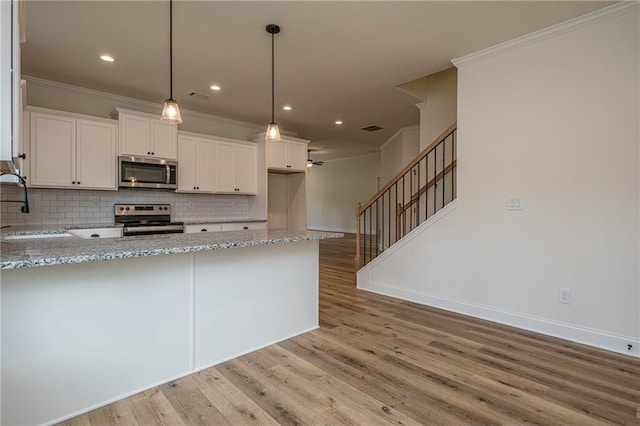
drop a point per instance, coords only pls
(418, 197)
(453, 168)
(389, 216)
(444, 158)
(377, 228)
(435, 179)
(370, 223)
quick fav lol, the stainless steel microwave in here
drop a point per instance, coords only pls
(140, 172)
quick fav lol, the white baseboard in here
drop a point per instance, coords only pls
(587, 336)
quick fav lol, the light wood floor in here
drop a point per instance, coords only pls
(376, 360)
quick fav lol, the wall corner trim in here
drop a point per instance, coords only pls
(574, 24)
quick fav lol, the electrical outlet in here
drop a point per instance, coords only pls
(190, 204)
(95, 201)
(564, 296)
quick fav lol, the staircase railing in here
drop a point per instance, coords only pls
(420, 190)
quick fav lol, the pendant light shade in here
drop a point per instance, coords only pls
(170, 109)
(273, 131)
(171, 112)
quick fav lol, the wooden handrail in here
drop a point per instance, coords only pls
(409, 166)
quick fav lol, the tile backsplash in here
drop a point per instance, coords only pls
(76, 206)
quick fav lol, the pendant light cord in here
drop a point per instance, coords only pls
(171, 49)
(273, 77)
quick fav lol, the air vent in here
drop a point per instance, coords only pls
(199, 95)
(372, 128)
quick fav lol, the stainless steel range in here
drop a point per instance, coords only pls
(146, 219)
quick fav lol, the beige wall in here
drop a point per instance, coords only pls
(554, 121)
(334, 188)
(439, 107)
(398, 151)
(439, 110)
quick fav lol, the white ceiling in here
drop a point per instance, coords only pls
(334, 60)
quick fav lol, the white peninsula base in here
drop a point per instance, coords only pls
(79, 336)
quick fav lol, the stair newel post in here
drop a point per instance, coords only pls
(358, 260)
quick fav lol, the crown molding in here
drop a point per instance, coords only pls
(574, 24)
(119, 98)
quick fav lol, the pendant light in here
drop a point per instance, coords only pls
(170, 110)
(273, 131)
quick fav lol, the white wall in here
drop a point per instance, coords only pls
(439, 110)
(553, 119)
(398, 151)
(334, 188)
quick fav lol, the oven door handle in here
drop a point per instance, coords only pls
(144, 229)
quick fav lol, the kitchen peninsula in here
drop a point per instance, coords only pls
(87, 322)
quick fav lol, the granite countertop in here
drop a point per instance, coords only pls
(57, 229)
(32, 252)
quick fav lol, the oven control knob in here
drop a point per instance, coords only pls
(121, 208)
(128, 208)
(166, 208)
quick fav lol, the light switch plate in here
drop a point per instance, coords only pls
(514, 203)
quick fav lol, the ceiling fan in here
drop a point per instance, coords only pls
(310, 162)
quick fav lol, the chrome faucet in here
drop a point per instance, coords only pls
(25, 203)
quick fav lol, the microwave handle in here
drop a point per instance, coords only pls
(168, 174)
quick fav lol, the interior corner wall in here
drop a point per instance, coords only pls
(334, 188)
(439, 110)
(554, 122)
(398, 151)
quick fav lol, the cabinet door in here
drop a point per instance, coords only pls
(186, 163)
(134, 135)
(246, 177)
(277, 155)
(164, 137)
(297, 156)
(52, 150)
(96, 154)
(204, 163)
(225, 170)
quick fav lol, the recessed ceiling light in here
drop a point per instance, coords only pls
(107, 58)
(287, 108)
(338, 122)
(215, 87)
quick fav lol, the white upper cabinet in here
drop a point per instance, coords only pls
(145, 135)
(72, 152)
(235, 168)
(195, 164)
(96, 154)
(287, 155)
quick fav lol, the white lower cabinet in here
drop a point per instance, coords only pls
(195, 159)
(217, 227)
(238, 226)
(72, 152)
(205, 227)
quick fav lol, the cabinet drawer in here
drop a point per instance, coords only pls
(241, 226)
(205, 227)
